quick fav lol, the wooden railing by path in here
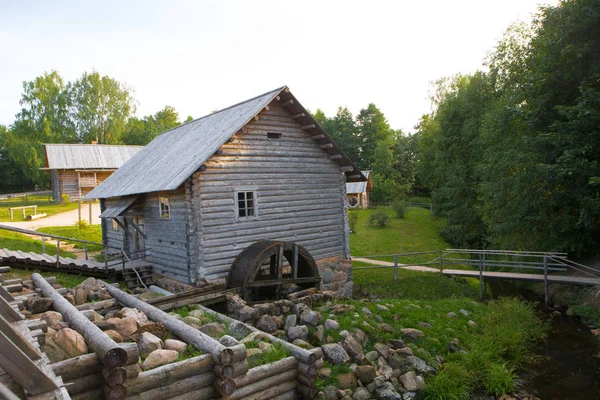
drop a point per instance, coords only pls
(115, 258)
(479, 264)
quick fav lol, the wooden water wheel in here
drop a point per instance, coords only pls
(265, 269)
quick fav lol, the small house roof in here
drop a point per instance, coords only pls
(358, 187)
(172, 157)
(87, 156)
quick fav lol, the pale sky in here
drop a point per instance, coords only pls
(198, 56)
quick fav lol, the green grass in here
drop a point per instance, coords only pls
(92, 233)
(16, 241)
(417, 231)
(41, 201)
(65, 280)
(268, 357)
(336, 371)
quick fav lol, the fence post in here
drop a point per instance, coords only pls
(43, 245)
(441, 260)
(57, 252)
(396, 267)
(484, 269)
(545, 281)
(85, 251)
(480, 276)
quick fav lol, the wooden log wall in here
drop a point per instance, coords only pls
(300, 194)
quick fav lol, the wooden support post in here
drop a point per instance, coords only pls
(396, 267)
(90, 211)
(296, 116)
(109, 352)
(6, 309)
(85, 251)
(480, 277)
(15, 336)
(57, 252)
(546, 281)
(79, 210)
(295, 262)
(43, 244)
(5, 294)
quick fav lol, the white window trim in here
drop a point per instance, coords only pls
(160, 214)
(254, 200)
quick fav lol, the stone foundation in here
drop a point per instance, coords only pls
(336, 275)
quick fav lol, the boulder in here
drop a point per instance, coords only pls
(90, 285)
(297, 332)
(347, 380)
(158, 358)
(361, 394)
(332, 324)
(412, 334)
(214, 329)
(382, 349)
(265, 347)
(125, 326)
(366, 373)
(136, 314)
(352, 347)
(411, 381)
(319, 334)
(71, 342)
(310, 317)
(52, 318)
(266, 323)
(148, 343)
(80, 296)
(114, 335)
(177, 345)
(397, 343)
(387, 392)
(372, 355)
(335, 353)
(252, 352)
(397, 361)
(299, 308)
(39, 305)
(290, 321)
(418, 365)
(196, 313)
(239, 330)
(228, 341)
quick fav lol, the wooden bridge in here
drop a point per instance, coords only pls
(519, 276)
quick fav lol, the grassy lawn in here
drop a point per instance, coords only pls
(44, 206)
(93, 233)
(417, 231)
(17, 241)
(65, 280)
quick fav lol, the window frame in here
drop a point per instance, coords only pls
(115, 225)
(160, 206)
(237, 201)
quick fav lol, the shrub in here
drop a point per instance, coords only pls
(399, 208)
(65, 199)
(352, 220)
(499, 379)
(81, 224)
(380, 218)
(451, 383)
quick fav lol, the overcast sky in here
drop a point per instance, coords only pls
(198, 56)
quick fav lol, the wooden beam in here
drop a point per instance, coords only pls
(278, 98)
(347, 168)
(354, 176)
(7, 311)
(257, 117)
(275, 282)
(335, 156)
(5, 295)
(326, 146)
(23, 370)
(287, 103)
(267, 108)
(317, 137)
(15, 336)
(296, 116)
(311, 126)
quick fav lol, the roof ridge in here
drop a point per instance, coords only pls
(89, 144)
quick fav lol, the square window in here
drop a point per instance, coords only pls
(164, 206)
(115, 226)
(245, 204)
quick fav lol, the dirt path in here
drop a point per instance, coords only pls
(391, 264)
(63, 219)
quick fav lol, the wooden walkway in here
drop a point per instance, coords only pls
(20, 259)
(573, 280)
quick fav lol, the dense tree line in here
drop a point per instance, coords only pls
(92, 108)
(369, 141)
(512, 155)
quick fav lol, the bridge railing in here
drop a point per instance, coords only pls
(112, 256)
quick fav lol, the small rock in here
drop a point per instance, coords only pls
(352, 347)
(397, 344)
(114, 335)
(472, 323)
(366, 311)
(158, 358)
(387, 392)
(196, 313)
(39, 305)
(372, 355)
(452, 315)
(382, 349)
(319, 335)
(136, 314)
(332, 324)
(361, 394)
(382, 307)
(302, 343)
(397, 361)
(385, 328)
(419, 365)
(214, 329)
(335, 353)
(69, 297)
(193, 321)
(239, 330)
(177, 345)
(464, 312)
(425, 325)
(266, 323)
(347, 380)
(330, 393)
(265, 347)
(71, 342)
(360, 335)
(147, 343)
(297, 332)
(228, 341)
(80, 296)
(253, 352)
(344, 333)
(405, 351)
(366, 373)
(324, 372)
(125, 326)
(411, 381)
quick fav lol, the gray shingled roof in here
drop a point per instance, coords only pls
(175, 155)
(88, 156)
(357, 187)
